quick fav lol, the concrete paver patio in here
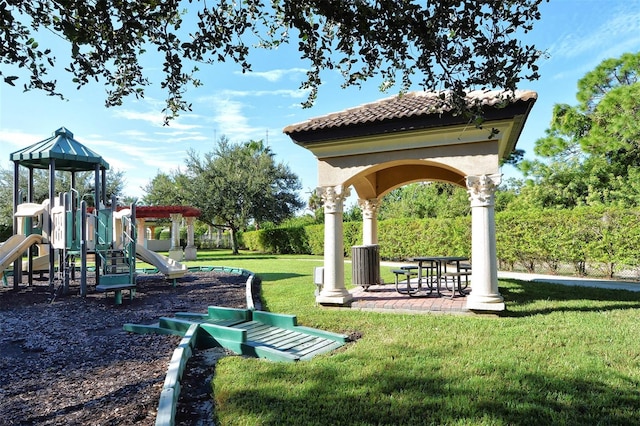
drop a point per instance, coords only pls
(384, 298)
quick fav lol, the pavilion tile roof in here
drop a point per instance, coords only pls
(426, 106)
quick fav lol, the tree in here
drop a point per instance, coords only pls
(353, 213)
(593, 148)
(315, 206)
(605, 119)
(235, 185)
(425, 200)
(444, 44)
(165, 190)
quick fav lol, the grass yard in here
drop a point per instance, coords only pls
(560, 355)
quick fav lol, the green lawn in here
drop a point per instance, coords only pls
(560, 355)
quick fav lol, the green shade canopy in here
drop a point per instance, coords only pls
(69, 154)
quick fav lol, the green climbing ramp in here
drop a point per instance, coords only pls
(253, 333)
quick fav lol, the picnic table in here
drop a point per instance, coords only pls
(432, 270)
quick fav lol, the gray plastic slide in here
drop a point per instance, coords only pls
(169, 267)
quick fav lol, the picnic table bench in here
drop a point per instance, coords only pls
(406, 271)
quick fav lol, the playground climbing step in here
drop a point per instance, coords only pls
(253, 333)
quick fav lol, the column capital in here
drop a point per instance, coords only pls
(482, 189)
(332, 197)
(369, 207)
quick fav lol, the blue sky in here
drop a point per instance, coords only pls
(577, 35)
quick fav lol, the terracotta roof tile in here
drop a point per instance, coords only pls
(408, 105)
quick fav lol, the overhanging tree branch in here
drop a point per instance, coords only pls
(438, 44)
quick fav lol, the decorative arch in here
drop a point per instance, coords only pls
(378, 180)
(377, 147)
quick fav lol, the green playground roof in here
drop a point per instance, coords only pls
(69, 154)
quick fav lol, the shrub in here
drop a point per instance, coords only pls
(533, 239)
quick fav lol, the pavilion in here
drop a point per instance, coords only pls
(377, 147)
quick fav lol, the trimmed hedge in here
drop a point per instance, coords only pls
(293, 240)
(604, 238)
(398, 239)
(607, 239)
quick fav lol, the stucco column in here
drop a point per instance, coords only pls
(333, 291)
(484, 272)
(175, 252)
(190, 251)
(369, 220)
(142, 231)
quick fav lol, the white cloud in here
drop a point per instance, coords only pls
(18, 139)
(150, 117)
(225, 94)
(156, 118)
(231, 121)
(619, 32)
(285, 93)
(180, 136)
(130, 157)
(134, 134)
(273, 75)
(133, 187)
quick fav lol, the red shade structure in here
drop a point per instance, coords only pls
(158, 212)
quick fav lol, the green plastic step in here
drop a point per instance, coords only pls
(115, 279)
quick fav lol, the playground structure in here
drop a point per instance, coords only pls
(65, 230)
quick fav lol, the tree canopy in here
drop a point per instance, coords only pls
(440, 44)
(234, 186)
(166, 190)
(593, 148)
(425, 200)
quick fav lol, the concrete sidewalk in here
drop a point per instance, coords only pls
(555, 279)
(572, 281)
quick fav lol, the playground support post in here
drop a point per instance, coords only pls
(17, 265)
(96, 200)
(64, 265)
(52, 203)
(30, 252)
(133, 241)
(83, 249)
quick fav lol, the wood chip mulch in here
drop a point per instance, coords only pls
(67, 361)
